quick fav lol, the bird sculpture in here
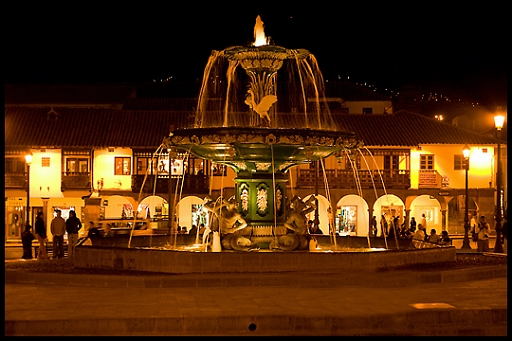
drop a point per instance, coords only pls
(263, 106)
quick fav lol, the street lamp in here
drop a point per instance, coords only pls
(465, 243)
(28, 160)
(498, 122)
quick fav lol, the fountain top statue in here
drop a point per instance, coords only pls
(249, 121)
(262, 56)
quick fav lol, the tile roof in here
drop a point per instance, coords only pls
(97, 127)
(66, 94)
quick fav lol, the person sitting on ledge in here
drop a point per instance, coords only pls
(445, 240)
(434, 237)
(419, 234)
(93, 231)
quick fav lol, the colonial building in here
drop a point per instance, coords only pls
(102, 156)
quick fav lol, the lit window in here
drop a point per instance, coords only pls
(77, 165)
(122, 166)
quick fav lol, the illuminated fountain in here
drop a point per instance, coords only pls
(261, 112)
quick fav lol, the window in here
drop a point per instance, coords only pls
(45, 162)
(426, 161)
(122, 166)
(77, 165)
(14, 165)
(367, 110)
(390, 161)
(145, 164)
(459, 162)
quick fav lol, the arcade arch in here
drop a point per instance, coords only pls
(351, 217)
(430, 206)
(153, 206)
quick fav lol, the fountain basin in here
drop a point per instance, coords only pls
(354, 257)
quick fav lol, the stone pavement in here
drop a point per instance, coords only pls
(405, 303)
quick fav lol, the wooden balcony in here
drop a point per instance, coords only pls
(342, 178)
(76, 180)
(194, 184)
(16, 181)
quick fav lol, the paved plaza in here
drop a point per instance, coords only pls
(455, 302)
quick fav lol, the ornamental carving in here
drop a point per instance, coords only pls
(262, 201)
(262, 166)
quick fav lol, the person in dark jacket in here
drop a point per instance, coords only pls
(26, 240)
(73, 225)
(41, 236)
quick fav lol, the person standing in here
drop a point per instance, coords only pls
(504, 232)
(73, 225)
(483, 229)
(413, 224)
(374, 226)
(41, 236)
(58, 228)
(26, 240)
(472, 226)
(383, 226)
(424, 221)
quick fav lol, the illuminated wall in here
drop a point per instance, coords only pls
(45, 173)
(481, 170)
(104, 169)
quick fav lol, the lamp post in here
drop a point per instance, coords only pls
(498, 122)
(28, 160)
(465, 243)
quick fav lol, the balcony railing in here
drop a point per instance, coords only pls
(343, 178)
(76, 180)
(16, 180)
(193, 184)
(429, 178)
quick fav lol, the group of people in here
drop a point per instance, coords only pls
(58, 227)
(193, 229)
(414, 231)
(433, 237)
(481, 232)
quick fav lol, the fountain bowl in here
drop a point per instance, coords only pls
(350, 253)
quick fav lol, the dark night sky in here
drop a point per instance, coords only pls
(463, 50)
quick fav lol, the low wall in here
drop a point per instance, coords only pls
(172, 261)
(157, 240)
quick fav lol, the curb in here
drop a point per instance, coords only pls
(302, 279)
(461, 322)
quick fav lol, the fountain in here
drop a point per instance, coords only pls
(239, 123)
(261, 111)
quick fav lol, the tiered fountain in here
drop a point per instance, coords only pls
(260, 112)
(244, 106)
